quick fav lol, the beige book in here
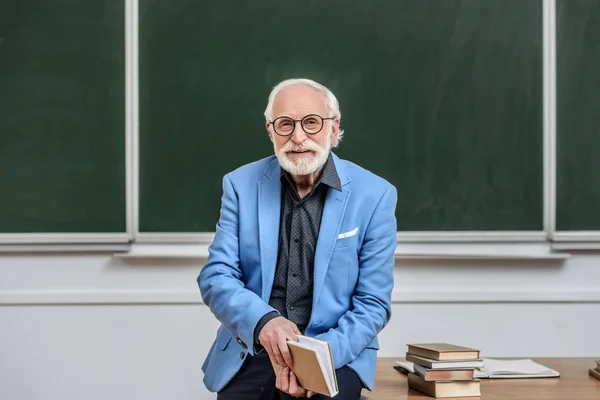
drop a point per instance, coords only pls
(312, 363)
(443, 351)
(595, 373)
(444, 374)
(442, 389)
(434, 364)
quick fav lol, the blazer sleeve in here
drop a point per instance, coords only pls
(371, 304)
(220, 280)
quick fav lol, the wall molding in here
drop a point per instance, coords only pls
(182, 297)
(404, 251)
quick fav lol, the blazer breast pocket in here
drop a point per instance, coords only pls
(347, 238)
(344, 264)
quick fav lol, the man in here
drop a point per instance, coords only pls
(304, 244)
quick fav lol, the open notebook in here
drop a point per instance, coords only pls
(523, 368)
(498, 369)
(313, 365)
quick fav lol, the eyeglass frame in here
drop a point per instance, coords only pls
(323, 119)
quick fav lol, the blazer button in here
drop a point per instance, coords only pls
(241, 343)
(241, 355)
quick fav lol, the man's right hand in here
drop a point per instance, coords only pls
(274, 336)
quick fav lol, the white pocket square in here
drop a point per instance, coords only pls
(348, 234)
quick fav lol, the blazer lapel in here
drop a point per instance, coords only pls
(269, 210)
(331, 222)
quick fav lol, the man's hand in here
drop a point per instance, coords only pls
(273, 338)
(286, 382)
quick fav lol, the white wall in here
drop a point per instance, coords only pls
(91, 326)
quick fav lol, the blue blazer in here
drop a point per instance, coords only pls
(353, 267)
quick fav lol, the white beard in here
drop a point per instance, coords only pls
(304, 165)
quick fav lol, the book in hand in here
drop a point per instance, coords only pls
(312, 363)
(443, 389)
(443, 351)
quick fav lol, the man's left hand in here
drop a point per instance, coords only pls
(286, 382)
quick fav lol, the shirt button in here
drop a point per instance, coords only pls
(241, 355)
(294, 275)
(297, 240)
(292, 308)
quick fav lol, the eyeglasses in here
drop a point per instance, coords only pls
(311, 124)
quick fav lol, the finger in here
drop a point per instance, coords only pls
(296, 330)
(292, 335)
(291, 330)
(285, 354)
(285, 380)
(309, 394)
(277, 355)
(295, 389)
(293, 384)
(278, 380)
(270, 352)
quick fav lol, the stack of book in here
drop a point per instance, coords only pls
(444, 370)
(596, 372)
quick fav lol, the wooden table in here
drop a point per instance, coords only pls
(575, 383)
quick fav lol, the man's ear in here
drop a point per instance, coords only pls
(335, 129)
(268, 125)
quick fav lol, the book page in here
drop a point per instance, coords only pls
(406, 366)
(512, 368)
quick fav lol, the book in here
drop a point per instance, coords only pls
(444, 374)
(313, 365)
(406, 367)
(497, 369)
(595, 373)
(435, 364)
(519, 368)
(443, 389)
(443, 351)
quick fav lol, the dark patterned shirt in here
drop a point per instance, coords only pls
(299, 226)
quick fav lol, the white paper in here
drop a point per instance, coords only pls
(515, 368)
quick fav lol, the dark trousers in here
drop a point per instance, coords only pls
(256, 381)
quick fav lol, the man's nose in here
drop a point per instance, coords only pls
(298, 136)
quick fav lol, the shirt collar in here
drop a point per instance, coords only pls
(329, 175)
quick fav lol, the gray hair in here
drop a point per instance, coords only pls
(331, 102)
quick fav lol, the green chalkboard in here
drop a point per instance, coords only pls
(62, 116)
(578, 115)
(441, 97)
